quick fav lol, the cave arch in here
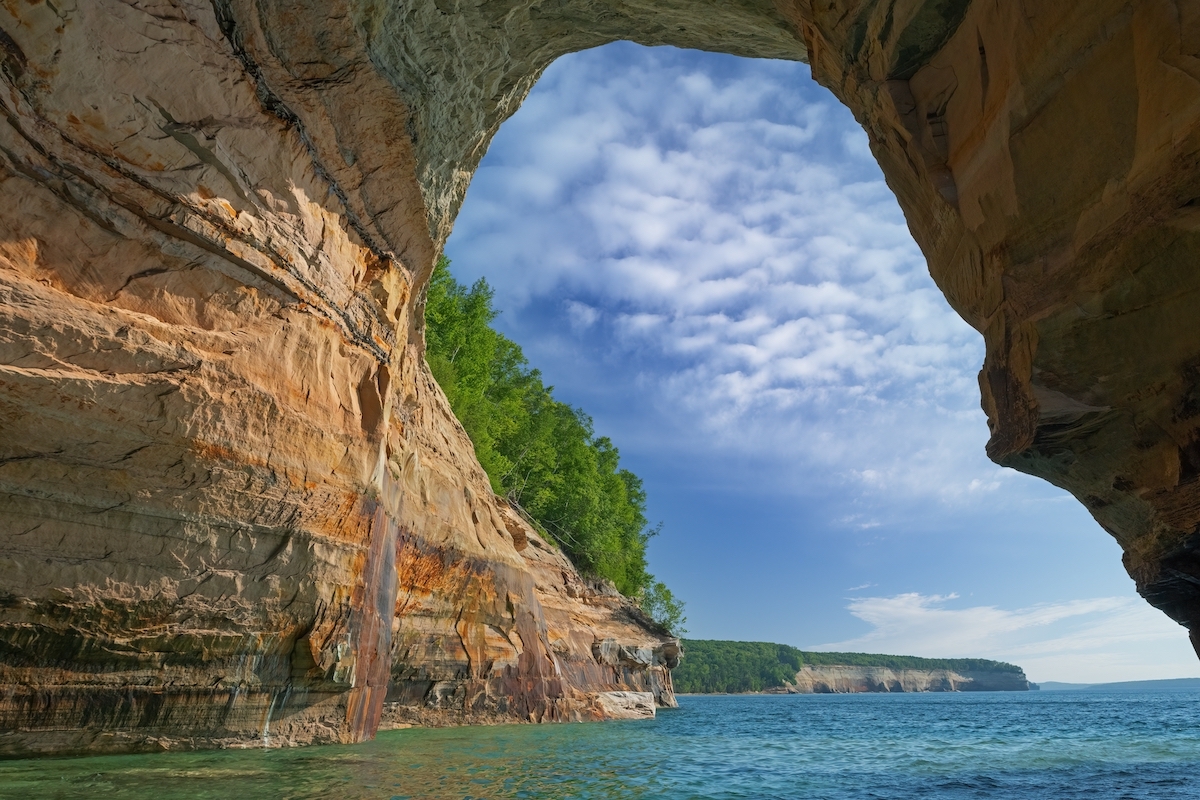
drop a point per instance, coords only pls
(972, 118)
(221, 444)
(613, 141)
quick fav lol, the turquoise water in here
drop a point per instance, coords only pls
(1056, 745)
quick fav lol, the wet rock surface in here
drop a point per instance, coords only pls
(234, 506)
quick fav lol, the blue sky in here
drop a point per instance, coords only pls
(700, 252)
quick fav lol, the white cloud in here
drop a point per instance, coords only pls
(1081, 641)
(581, 315)
(732, 227)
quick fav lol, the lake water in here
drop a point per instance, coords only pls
(1041, 745)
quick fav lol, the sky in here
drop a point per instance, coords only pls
(700, 252)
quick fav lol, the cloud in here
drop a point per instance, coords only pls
(581, 315)
(722, 222)
(1082, 641)
(857, 522)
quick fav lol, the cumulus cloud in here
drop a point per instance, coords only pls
(1081, 641)
(727, 222)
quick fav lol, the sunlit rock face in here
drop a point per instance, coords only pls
(234, 506)
(855, 680)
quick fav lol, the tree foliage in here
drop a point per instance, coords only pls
(715, 666)
(711, 666)
(660, 603)
(539, 453)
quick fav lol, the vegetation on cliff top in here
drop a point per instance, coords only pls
(541, 454)
(710, 666)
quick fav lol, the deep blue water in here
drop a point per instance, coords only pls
(1045, 745)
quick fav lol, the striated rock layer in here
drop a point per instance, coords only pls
(853, 680)
(234, 507)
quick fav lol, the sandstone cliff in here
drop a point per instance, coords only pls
(850, 680)
(233, 504)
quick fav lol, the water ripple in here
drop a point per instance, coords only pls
(858, 747)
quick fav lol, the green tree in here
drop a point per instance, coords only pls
(720, 666)
(539, 453)
(660, 604)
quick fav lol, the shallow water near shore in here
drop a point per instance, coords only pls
(996, 745)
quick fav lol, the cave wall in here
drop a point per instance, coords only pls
(234, 506)
(1045, 156)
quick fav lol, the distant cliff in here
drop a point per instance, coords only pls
(720, 666)
(850, 679)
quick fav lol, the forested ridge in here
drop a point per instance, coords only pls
(540, 454)
(710, 666)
